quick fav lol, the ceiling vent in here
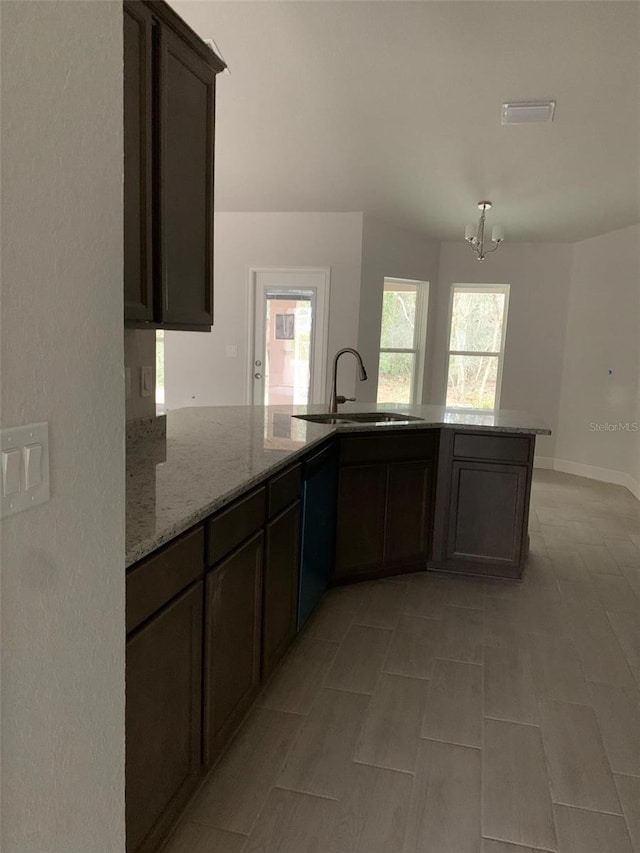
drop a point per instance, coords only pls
(526, 113)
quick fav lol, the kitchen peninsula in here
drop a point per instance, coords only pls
(239, 520)
(214, 454)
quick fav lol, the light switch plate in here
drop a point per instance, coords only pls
(33, 467)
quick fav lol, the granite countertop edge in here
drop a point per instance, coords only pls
(142, 547)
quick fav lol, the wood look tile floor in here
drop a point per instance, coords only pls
(429, 714)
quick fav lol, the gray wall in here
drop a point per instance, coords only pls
(390, 252)
(603, 333)
(62, 361)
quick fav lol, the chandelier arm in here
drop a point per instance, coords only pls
(488, 251)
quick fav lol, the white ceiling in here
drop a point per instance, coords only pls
(393, 108)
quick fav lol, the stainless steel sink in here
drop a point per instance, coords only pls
(357, 418)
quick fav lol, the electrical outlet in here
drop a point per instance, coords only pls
(146, 381)
(232, 351)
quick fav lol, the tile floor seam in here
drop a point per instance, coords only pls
(209, 826)
(507, 720)
(587, 808)
(305, 793)
(384, 671)
(411, 773)
(450, 742)
(537, 848)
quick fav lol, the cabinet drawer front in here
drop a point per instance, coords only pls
(232, 526)
(284, 490)
(159, 578)
(387, 448)
(500, 448)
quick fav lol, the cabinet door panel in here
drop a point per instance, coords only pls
(360, 519)
(163, 718)
(232, 641)
(408, 512)
(281, 575)
(487, 508)
(187, 98)
(138, 295)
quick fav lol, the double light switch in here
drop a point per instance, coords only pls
(25, 467)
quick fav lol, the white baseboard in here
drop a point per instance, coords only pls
(543, 462)
(605, 475)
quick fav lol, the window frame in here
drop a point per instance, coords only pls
(423, 292)
(478, 288)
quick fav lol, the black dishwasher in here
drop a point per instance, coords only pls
(319, 488)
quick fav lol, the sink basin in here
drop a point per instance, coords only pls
(357, 418)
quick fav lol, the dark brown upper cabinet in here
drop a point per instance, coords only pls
(138, 294)
(169, 122)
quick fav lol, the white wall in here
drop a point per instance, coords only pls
(389, 252)
(61, 357)
(197, 369)
(539, 277)
(634, 471)
(602, 334)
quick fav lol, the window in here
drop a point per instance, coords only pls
(477, 328)
(403, 333)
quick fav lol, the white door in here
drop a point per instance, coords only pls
(289, 336)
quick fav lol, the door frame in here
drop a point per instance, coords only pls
(321, 321)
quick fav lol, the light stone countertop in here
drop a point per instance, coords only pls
(212, 455)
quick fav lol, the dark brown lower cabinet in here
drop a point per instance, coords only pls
(233, 609)
(408, 518)
(281, 576)
(487, 523)
(362, 496)
(385, 498)
(163, 719)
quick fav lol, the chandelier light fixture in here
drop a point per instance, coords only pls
(474, 235)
